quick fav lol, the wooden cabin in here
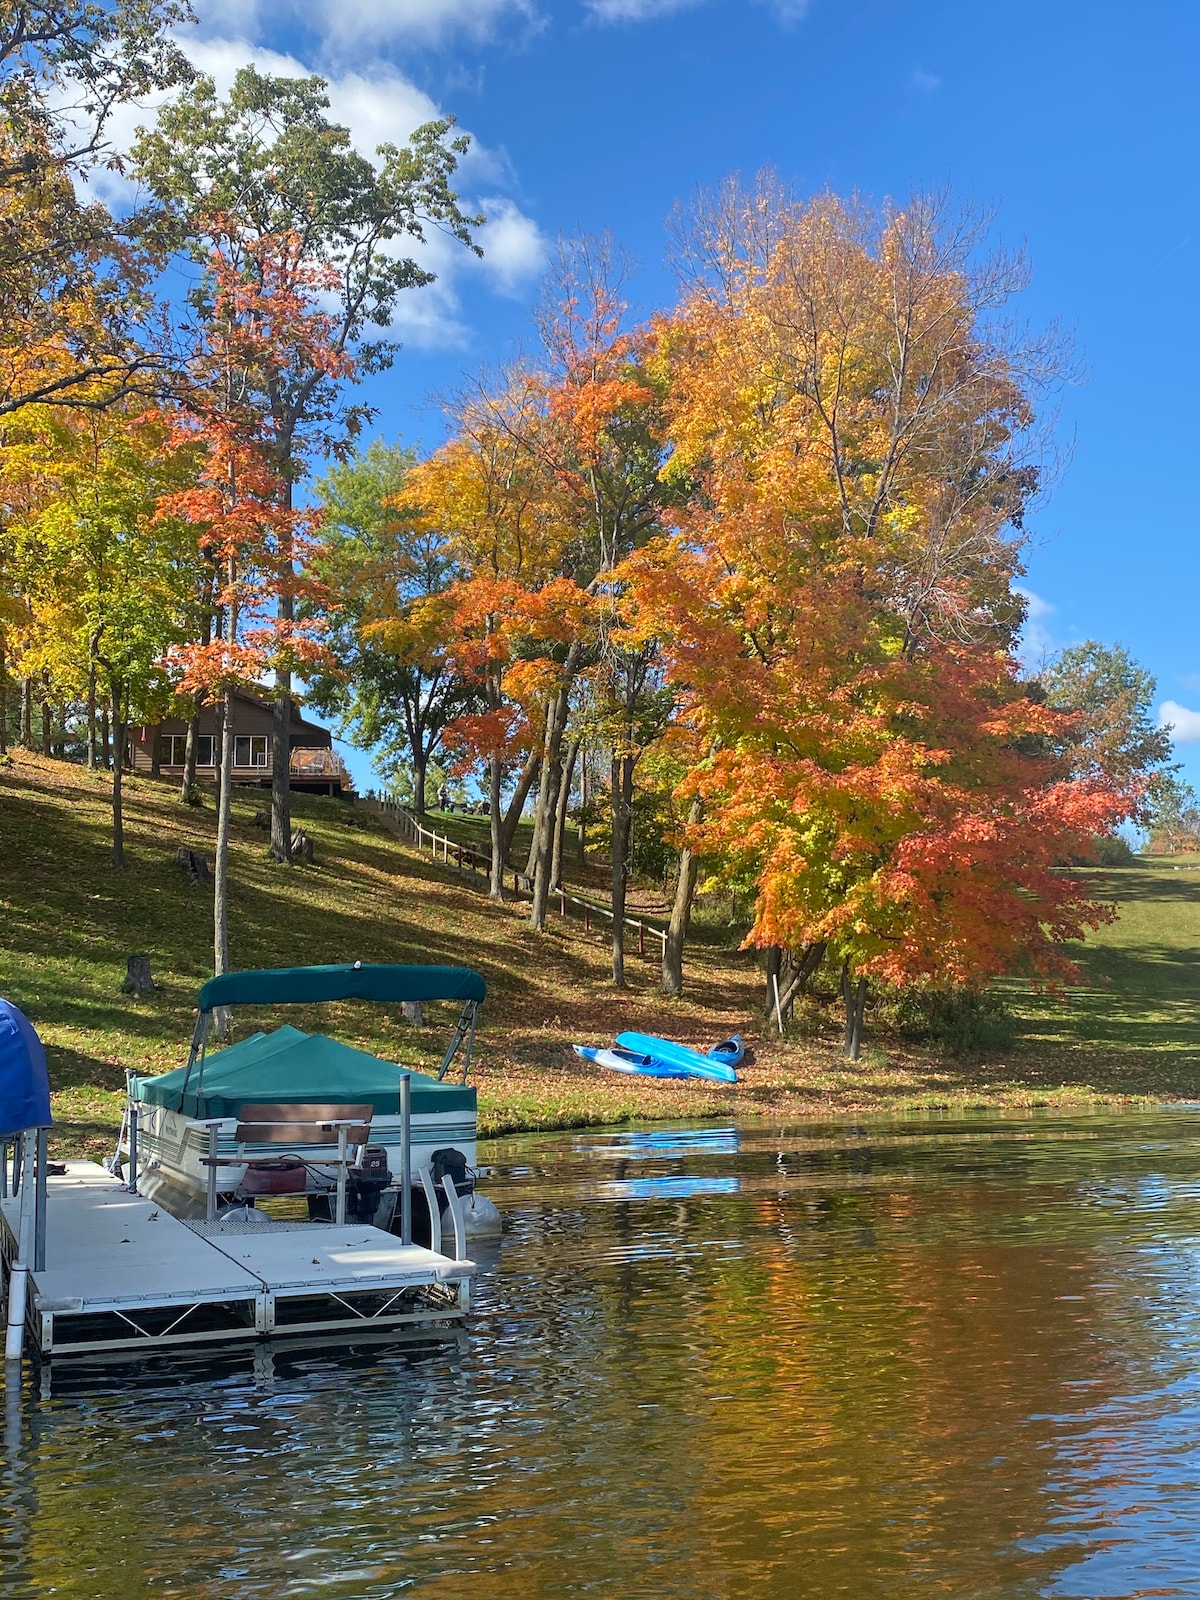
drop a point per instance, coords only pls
(315, 769)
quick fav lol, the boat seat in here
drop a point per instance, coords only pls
(289, 1126)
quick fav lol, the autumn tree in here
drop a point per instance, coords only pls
(106, 581)
(254, 324)
(376, 565)
(838, 599)
(512, 614)
(80, 325)
(267, 162)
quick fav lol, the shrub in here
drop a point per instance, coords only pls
(959, 1022)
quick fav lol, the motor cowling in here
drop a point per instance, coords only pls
(365, 1183)
(450, 1164)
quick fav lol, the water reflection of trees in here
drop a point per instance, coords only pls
(854, 1376)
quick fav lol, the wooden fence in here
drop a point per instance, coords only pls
(473, 859)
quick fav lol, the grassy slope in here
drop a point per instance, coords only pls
(69, 921)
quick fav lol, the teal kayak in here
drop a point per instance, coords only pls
(718, 1065)
(618, 1060)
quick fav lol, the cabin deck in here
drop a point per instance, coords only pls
(122, 1273)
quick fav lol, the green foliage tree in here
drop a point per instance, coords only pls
(1111, 699)
(267, 162)
(108, 582)
(376, 564)
(1173, 817)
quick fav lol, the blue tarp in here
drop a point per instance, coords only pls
(24, 1081)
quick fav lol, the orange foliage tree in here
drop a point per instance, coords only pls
(838, 598)
(258, 546)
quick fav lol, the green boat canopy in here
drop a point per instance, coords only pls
(355, 981)
(288, 1067)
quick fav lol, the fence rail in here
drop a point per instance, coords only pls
(472, 859)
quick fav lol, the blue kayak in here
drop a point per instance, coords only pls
(718, 1064)
(618, 1060)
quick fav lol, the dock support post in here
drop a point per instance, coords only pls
(340, 1212)
(133, 1150)
(39, 1203)
(18, 1272)
(210, 1205)
(405, 1158)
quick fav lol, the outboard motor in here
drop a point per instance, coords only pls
(450, 1164)
(366, 1182)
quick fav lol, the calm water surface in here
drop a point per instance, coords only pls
(920, 1359)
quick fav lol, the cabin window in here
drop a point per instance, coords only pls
(174, 749)
(251, 749)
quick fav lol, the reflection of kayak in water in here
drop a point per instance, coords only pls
(719, 1063)
(618, 1060)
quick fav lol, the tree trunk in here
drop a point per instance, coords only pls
(681, 911)
(104, 739)
(3, 699)
(774, 968)
(622, 814)
(496, 825)
(798, 980)
(59, 744)
(45, 698)
(118, 725)
(420, 768)
(581, 837)
(544, 828)
(221, 862)
(560, 817)
(854, 998)
(281, 762)
(503, 824)
(156, 748)
(27, 713)
(545, 783)
(91, 717)
(188, 781)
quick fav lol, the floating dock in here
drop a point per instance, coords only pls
(123, 1274)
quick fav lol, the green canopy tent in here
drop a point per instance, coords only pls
(290, 1067)
(310, 1054)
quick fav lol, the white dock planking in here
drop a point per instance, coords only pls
(121, 1272)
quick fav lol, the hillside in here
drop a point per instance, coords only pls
(69, 922)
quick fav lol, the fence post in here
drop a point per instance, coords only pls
(587, 919)
(641, 938)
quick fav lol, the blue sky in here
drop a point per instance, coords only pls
(1076, 122)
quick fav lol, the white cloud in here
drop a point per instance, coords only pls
(382, 107)
(923, 83)
(514, 250)
(348, 25)
(351, 22)
(1037, 642)
(1184, 724)
(790, 10)
(636, 10)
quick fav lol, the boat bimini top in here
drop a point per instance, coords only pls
(356, 980)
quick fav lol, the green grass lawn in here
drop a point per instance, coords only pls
(1140, 995)
(68, 921)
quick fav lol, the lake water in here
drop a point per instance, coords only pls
(895, 1359)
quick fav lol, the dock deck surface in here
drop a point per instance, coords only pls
(122, 1272)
